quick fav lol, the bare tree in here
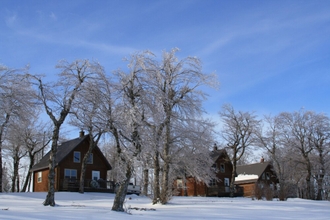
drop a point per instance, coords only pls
(35, 135)
(16, 99)
(174, 86)
(15, 150)
(128, 138)
(270, 138)
(88, 117)
(57, 100)
(238, 131)
(297, 133)
(320, 139)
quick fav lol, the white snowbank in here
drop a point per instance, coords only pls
(28, 206)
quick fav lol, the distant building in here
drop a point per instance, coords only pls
(217, 187)
(258, 174)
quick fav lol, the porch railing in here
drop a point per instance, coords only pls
(89, 185)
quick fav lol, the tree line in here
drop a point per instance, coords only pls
(151, 112)
(152, 116)
(296, 143)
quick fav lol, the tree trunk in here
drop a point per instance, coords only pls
(1, 170)
(118, 203)
(82, 176)
(233, 174)
(308, 178)
(156, 186)
(50, 198)
(145, 182)
(164, 194)
(15, 172)
(17, 183)
(2, 130)
(28, 176)
(321, 175)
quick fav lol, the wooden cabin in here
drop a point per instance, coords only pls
(217, 187)
(68, 168)
(255, 175)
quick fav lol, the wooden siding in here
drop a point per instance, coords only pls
(191, 187)
(249, 186)
(248, 189)
(43, 185)
(67, 163)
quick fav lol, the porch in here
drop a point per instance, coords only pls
(72, 185)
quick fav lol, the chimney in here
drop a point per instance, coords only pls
(215, 148)
(262, 160)
(81, 134)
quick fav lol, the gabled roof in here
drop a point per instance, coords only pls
(215, 154)
(250, 170)
(63, 150)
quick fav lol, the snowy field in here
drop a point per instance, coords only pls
(28, 206)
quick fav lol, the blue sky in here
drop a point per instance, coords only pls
(270, 56)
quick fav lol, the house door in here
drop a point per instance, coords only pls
(227, 185)
(95, 175)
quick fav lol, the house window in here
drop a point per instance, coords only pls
(179, 183)
(263, 176)
(267, 176)
(90, 159)
(76, 156)
(70, 174)
(222, 168)
(39, 177)
(226, 181)
(95, 174)
(213, 182)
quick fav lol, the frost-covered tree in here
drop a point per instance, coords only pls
(297, 133)
(16, 96)
(126, 129)
(57, 99)
(320, 139)
(35, 136)
(270, 138)
(174, 86)
(88, 116)
(238, 132)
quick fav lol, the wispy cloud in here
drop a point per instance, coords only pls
(53, 16)
(11, 19)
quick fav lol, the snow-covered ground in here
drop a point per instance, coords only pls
(28, 206)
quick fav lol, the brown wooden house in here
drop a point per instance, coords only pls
(68, 168)
(258, 174)
(217, 187)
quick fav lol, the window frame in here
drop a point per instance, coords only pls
(74, 156)
(226, 180)
(222, 168)
(71, 177)
(39, 177)
(213, 182)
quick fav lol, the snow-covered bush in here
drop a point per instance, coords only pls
(95, 184)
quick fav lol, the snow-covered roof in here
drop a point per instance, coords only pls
(244, 177)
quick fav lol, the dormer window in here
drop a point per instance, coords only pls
(76, 157)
